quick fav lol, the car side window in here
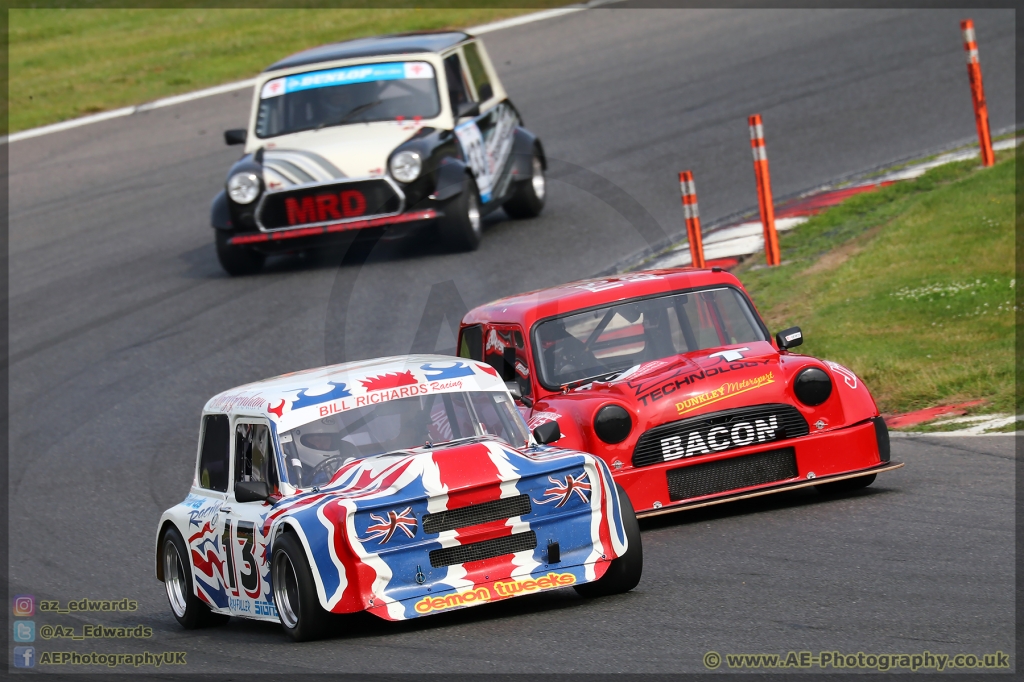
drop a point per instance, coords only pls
(254, 455)
(458, 93)
(478, 73)
(472, 342)
(215, 455)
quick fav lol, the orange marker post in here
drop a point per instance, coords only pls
(764, 190)
(977, 93)
(692, 216)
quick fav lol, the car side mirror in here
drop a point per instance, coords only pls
(252, 491)
(789, 338)
(547, 432)
(513, 389)
(235, 136)
(468, 109)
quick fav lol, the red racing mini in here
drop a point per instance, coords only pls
(673, 379)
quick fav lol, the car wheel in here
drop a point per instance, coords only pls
(237, 260)
(845, 486)
(624, 572)
(187, 608)
(528, 199)
(295, 598)
(461, 227)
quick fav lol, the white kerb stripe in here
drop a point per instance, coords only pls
(972, 56)
(687, 188)
(969, 35)
(756, 132)
(525, 19)
(690, 211)
(759, 154)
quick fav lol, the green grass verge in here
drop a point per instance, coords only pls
(911, 286)
(66, 63)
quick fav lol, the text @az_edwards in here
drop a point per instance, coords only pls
(838, 660)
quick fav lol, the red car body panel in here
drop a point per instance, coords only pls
(845, 434)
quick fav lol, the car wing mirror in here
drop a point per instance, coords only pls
(235, 136)
(468, 109)
(513, 389)
(789, 338)
(547, 433)
(252, 491)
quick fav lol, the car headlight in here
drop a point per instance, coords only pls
(812, 386)
(406, 166)
(612, 424)
(243, 188)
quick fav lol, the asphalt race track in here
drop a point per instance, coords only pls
(122, 325)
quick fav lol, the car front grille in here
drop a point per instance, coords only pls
(488, 549)
(708, 478)
(332, 203)
(718, 432)
(495, 510)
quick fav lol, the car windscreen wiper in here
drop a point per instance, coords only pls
(590, 380)
(352, 113)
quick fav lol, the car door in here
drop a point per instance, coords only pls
(246, 550)
(487, 137)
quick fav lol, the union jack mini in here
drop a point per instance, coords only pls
(404, 487)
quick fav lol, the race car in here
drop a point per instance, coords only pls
(672, 378)
(372, 136)
(403, 486)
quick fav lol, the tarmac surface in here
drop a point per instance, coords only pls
(122, 325)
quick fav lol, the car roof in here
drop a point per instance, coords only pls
(525, 309)
(377, 46)
(290, 392)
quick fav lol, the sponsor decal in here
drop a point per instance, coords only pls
(726, 390)
(705, 440)
(279, 410)
(653, 389)
(563, 490)
(233, 400)
(303, 399)
(389, 380)
(521, 369)
(346, 76)
(605, 284)
(848, 377)
(487, 369)
(435, 372)
(385, 526)
(501, 589)
(794, 336)
(319, 208)
(538, 418)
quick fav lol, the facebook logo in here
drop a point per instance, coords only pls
(24, 657)
(24, 631)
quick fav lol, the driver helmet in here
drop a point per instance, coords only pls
(316, 441)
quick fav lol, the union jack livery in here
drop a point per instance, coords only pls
(402, 486)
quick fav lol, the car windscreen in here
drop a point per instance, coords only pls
(314, 451)
(604, 341)
(351, 94)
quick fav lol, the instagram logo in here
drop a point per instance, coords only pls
(24, 605)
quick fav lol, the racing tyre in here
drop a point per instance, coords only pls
(528, 199)
(462, 224)
(624, 572)
(846, 485)
(295, 596)
(237, 260)
(187, 608)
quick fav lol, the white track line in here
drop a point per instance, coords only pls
(248, 83)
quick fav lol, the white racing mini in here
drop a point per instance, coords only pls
(404, 487)
(388, 133)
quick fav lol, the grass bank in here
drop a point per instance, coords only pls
(911, 286)
(66, 63)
